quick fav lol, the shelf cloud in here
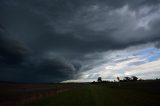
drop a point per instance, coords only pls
(59, 40)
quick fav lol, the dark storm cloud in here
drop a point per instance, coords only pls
(74, 25)
(57, 68)
(11, 51)
(17, 63)
(70, 30)
(41, 69)
(157, 44)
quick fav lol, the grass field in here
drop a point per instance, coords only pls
(127, 94)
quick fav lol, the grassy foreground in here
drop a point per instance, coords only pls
(138, 94)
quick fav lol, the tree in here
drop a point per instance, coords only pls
(127, 79)
(134, 78)
(118, 78)
(99, 79)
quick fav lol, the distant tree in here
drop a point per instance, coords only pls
(119, 81)
(99, 79)
(93, 82)
(134, 78)
(118, 78)
(127, 79)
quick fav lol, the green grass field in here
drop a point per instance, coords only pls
(128, 94)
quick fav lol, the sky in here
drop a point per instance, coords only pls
(79, 40)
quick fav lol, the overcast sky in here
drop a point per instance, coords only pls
(79, 40)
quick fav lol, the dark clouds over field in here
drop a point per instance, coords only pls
(58, 40)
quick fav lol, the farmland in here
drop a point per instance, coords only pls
(143, 93)
(15, 94)
(128, 94)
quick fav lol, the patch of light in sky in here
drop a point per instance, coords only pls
(127, 64)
